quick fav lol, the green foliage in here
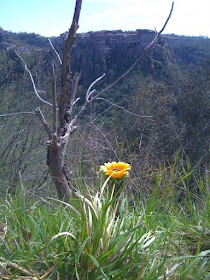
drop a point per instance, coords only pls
(153, 101)
(192, 112)
(106, 235)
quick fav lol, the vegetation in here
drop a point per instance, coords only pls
(153, 224)
(109, 233)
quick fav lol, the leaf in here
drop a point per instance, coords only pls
(97, 265)
(61, 234)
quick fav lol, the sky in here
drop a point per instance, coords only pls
(53, 17)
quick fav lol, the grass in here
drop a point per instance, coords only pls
(106, 234)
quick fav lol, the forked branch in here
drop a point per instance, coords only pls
(89, 92)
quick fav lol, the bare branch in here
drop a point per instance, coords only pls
(17, 114)
(43, 121)
(88, 94)
(80, 113)
(138, 59)
(88, 100)
(159, 62)
(65, 78)
(54, 102)
(51, 44)
(16, 267)
(76, 101)
(32, 80)
(122, 108)
(164, 26)
(108, 142)
(74, 87)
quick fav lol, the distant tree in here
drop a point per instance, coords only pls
(64, 122)
(192, 112)
(154, 133)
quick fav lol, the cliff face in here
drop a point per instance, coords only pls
(113, 52)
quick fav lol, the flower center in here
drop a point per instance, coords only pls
(116, 169)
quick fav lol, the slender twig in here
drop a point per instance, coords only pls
(108, 142)
(89, 92)
(164, 26)
(88, 100)
(17, 114)
(74, 87)
(32, 80)
(16, 266)
(76, 101)
(51, 44)
(122, 108)
(159, 62)
(43, 121)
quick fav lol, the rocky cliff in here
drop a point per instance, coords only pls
(113, 52)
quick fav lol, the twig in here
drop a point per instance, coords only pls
(32, 80)
(47, 272)
(108, 142)
(88, 100)
(16, 266)
(159, 62)
(74, 87)
(88, 94)
(55, 51)
(17, 114)
(78, 98)
(164, 26)
(43, 121)
(122, 108)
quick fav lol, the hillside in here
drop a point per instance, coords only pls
(133, 182)
(170, 85)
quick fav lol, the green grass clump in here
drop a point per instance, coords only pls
(99, 235)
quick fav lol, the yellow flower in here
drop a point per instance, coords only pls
(116, 170)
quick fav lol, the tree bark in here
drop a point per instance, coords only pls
(59, 137)
(55, 161)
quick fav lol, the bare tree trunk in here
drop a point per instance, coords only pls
(55, 161)
(59, 138)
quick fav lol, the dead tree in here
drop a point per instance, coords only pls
(64, 122)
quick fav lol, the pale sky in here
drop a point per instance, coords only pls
(53, 17)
